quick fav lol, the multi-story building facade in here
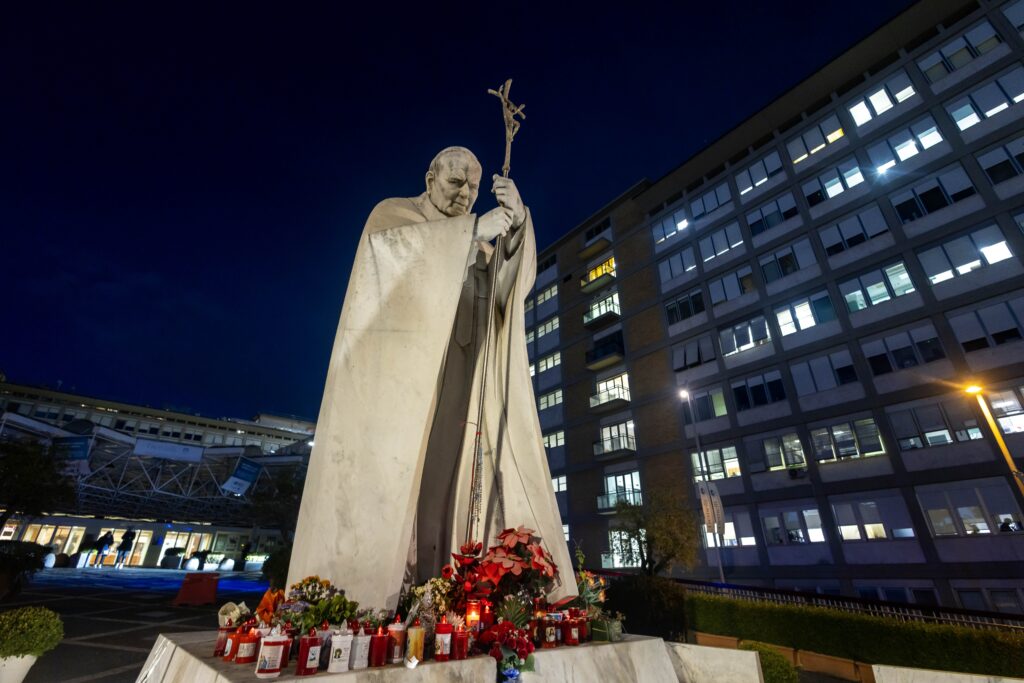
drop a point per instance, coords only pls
(181, 481)
(822, 282)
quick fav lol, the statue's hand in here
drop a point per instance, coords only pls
(494, 223)
(508, 196)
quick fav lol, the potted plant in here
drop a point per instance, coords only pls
(172, 558)
(26, 633)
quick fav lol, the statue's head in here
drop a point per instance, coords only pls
(453, 181)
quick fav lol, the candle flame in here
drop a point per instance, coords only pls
(380, 630)
(444, 618)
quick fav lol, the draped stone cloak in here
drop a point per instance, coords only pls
(388, 489)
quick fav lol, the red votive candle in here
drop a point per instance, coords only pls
(222, 639)
(443, 640)
(571, 631)
(472, 614)
(396, 641)
(379, 648)
(231, 646)
(487, 618)
(460, 644)
(308, 661)
(248, 643)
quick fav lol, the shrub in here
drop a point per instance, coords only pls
(18, 561)
(869, 639)
(29, 631)
(775, 667)
(652, 605)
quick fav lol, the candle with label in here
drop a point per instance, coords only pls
(247, 644)
(273, 651)
(443, 640)
(360, 651)
(222, 639)
(341, 651)
(414, 641)
(460, 644)
(231, 644)
(307, 662)
(396, 641)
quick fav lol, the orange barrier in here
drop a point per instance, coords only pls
(197, 589)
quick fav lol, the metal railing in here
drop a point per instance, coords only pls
(607, 501)
(899, 611)
(602, 307)
(614, 393)
(613, 444)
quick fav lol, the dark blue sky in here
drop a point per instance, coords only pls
(181, 191)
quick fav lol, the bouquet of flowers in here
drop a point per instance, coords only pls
(510, 646)
(591, 588)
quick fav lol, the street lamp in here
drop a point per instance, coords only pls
(719, 538)
(1017, 475)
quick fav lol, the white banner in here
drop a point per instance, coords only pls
(168, 450)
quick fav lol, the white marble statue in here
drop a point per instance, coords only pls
(389, 484)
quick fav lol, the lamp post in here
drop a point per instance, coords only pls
(706, 476)
(1018, 476)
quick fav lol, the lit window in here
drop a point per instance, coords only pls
(720, 242)
(959, 52)
(669, 226)
(548, 362)
(964, 254)
(988, 100)
(548, 294)
(546, 327)
(758, 173)
(550, 400)
(558, 483)
(883, 516)
(793, 526)
(934, 424)
(707, 405)
(721, 463)
(554, 440)
(876, 287)
(805, 313)
(814, 139)
(970, 508)
(895, 90)
(904, 144)
(844, 440)
(833, 182)
(605, 268)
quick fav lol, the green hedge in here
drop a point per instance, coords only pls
(29, 631)
(869, 639)
(652, 605)
(775, 667)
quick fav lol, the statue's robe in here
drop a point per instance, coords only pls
(389, 483)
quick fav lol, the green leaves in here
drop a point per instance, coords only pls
(29, 631)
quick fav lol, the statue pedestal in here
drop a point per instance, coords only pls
(186, 657)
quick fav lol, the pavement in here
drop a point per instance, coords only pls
(112, 617)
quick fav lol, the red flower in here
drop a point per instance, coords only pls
(471, 548)
(512, 537)
(496, 653)
(447, 571)
(522, 653)
(464, 560)
(541, 560)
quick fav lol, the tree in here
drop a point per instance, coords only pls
(280, 509)
(658, 534)
(32, 480)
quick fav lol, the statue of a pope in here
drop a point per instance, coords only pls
(388, 491)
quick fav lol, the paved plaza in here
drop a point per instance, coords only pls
(112, 617)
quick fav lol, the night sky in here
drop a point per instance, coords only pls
(182, 191)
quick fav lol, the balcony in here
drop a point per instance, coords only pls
(596, 279)
(595, 246)
(614, 447)
(612, 398)
(606, 353)
(606, 502)
(602, 313)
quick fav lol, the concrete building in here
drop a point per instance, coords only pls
(182, 481)
(823, 281)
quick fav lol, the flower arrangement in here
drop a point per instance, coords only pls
(510, 646)
(591, 588)
(310, 603)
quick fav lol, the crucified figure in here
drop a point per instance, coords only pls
(510, 111)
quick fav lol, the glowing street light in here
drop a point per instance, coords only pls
(1018, 476)
(706, 483)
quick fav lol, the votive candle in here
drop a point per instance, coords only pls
(379, 648)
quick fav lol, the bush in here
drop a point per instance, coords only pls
(275, 569)
(869, 639)
(775, 667)
(652, 605)
(18, 561)
(29, 631)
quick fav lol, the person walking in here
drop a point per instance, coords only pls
(124, 548)
(103, 544)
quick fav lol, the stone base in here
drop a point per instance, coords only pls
(185, 658)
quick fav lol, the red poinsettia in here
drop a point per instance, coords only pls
(510, 538)
(471, 548)
(541, 560)
(447, 571)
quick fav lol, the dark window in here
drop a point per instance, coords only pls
(742, 397)
(975, 344)
(775, 390)
(904, 357)
(909, 210)
(823, 309)
(759, 394)
(1004, 170)
(846, 374)
(1013, 334)
(933, 199)
(816, 197)
(880, 364)
(930, 350)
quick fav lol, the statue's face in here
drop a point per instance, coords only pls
(453, 187)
